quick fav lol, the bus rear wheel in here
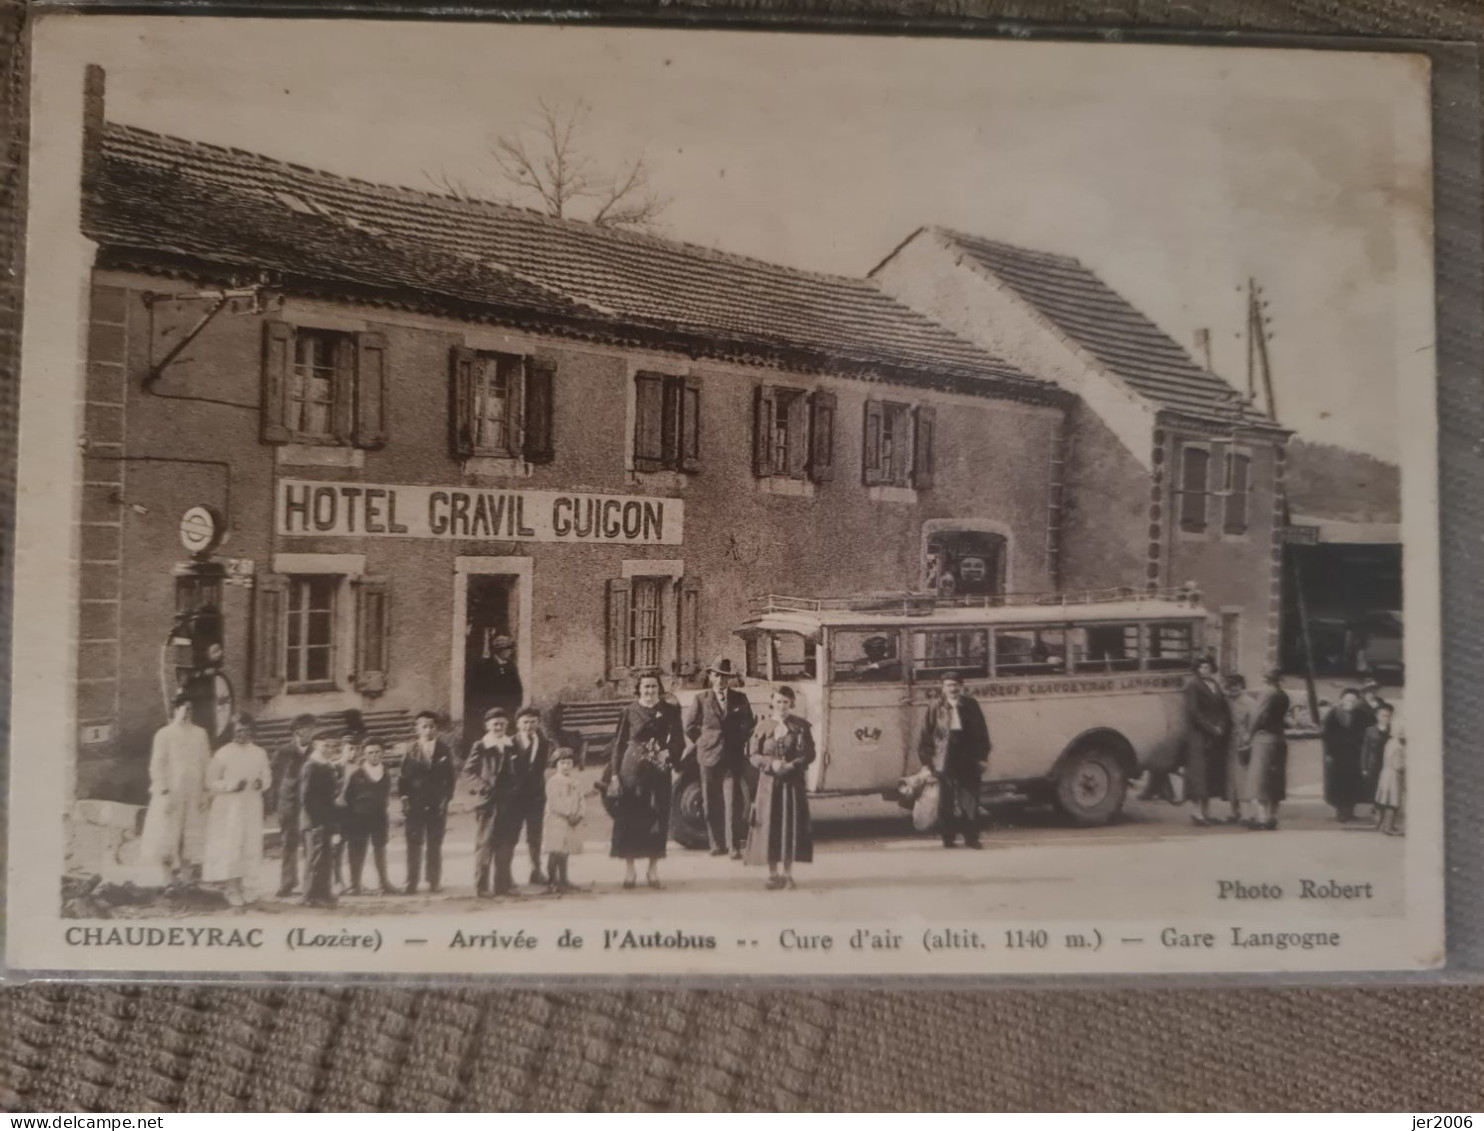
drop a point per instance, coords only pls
(687, 814)
(1091, 785)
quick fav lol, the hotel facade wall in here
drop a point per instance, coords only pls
(195, 438)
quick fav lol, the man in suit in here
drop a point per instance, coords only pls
(288, 767)
(954, 745)
(532, 754)
(719, 723)
(493, 681)
(426, 785)
(489, 767)
(321, 815)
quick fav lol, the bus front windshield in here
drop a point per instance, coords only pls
(780, 656)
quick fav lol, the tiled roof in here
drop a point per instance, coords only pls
(1105, 324)
(158, 199)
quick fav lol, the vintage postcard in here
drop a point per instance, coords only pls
(505, 500)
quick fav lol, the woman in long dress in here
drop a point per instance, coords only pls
(1238, 743)
(646, 747)
(1343, 736)
(235, 780)
(1267, 766)
(1208, 724)
(175, 822)
(778, 835)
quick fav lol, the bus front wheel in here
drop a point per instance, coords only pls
(1091, 785)
(687, 816)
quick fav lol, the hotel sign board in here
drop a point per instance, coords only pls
(306, 508)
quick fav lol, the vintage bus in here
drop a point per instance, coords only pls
(1079, 691)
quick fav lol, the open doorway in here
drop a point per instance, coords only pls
(491, 657)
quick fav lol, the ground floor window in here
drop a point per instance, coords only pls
(654, 625)
(309, 632)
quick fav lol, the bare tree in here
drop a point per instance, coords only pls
(544, 165)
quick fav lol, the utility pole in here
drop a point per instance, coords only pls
(1259, 364)
(1257, 349)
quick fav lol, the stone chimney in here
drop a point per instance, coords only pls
(93, 118)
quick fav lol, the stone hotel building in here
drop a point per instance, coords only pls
(372, 428)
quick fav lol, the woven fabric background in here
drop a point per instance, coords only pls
(164, 1049)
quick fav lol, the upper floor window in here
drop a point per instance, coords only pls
(794, 433)
(667, 422)
(900, 445)
(323, 386)
(1195, 468)
(319, 365)
(1218, 472)
(503, 406)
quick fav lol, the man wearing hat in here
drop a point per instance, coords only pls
(718, 723)
(288, 765)
(954, 745)
(493, 682)
(321, 815)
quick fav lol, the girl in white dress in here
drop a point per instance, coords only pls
(235, 779)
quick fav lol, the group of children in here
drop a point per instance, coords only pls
(334, 788)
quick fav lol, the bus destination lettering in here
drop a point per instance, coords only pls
(358, 510)
(1075, 686)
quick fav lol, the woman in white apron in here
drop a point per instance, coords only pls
(175, 823)
(235, 780)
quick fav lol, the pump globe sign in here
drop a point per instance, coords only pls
(362, 510)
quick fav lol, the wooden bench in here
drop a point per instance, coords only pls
(597, 722)
(391, 727)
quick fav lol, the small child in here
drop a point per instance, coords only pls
(1391, 784)
(367, 789)
(564, 802)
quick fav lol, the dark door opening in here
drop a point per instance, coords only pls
(491, 664)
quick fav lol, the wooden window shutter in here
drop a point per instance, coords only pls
(370, 390)
(343, 425)
(514, 370)
(649, 421)
(763, 417)
(373, 634)
(798, 435)
(688, 623)
(278, 360)
(540, 410)
(689, 392)
(924, 444)
(269, 593)
(618, 628)
(1238, 484)
(461, 401)
(871, 473)
(1194, 478)
(822, 436)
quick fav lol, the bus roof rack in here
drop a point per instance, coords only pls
(921, 604)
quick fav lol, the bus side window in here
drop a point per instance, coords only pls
(939, 651)
(865, 656)
(1030, 651)
(793, 656)
(1171, 645)
(1105, 648)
